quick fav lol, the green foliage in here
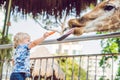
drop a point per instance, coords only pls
(71, 68)
(5, 54)
(92, 6)
(101, 78)
(118, 73)
(110, 46)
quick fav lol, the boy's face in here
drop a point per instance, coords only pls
(26, 40)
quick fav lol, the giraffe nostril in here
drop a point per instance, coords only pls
(74, 23)
(82, 19)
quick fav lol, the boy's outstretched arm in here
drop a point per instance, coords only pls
(38, 41)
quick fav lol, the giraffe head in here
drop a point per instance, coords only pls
(104, 17)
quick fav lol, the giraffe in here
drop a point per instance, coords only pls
(104, 17)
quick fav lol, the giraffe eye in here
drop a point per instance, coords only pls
(108, 7)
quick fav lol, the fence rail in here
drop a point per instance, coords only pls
(74, 39)
(71, 67)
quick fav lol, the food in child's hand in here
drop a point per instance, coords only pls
(52, 32)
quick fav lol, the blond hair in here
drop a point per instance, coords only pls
(19, 37)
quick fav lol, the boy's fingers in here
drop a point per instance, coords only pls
(52, 32)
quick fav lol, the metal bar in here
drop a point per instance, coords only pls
(59, 66)
(5, 46)
(79, 70)
(7, 70)
(83, 38)
(72, 77)
(33, 66)
(73, 39)
(52, 68)
(66, 67)
(103, 69)
(87, 76)
(40, 69)
(7, 18)
(83, 55)
(96, 68)
(112, 68)
(45, 77)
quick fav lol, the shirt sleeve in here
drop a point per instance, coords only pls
(26, 46)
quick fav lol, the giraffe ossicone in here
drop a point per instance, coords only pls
(104, 17)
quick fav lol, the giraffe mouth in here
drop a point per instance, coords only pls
(74, 23)
(71, 31)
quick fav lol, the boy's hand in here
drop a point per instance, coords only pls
(48, 34)
(52, 32)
